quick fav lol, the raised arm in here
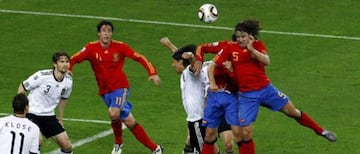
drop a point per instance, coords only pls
(168, 44)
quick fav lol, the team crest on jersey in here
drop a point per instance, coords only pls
(115, 57)
(63, 91)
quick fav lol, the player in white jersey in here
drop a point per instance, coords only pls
(193, 93)
(17, 133)
(49, 89)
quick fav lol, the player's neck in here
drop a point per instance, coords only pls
(19, 115)
(105, 44)
(59, 76)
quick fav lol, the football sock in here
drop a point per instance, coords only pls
(140, 134)
(246, 147)
(306, 121)
(208, 148)
(117, 130)
(62, 152)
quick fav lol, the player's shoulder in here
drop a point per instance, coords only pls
(117, 42)
(93, 42)
(68, 77)
(45, 72)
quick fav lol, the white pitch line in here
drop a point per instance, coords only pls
(175, 24)
(85, 140)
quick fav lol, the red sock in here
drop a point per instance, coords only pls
(306, 121)
(208, 148)
(140, 134)
(246, 147)
(117, 130)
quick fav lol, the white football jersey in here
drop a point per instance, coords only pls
(18, 135)
(45, 91)
(193, 92)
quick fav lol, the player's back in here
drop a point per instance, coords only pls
(18, 135)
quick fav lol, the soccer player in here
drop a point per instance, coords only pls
(107, 57)
(222, 103)
(183, 64)
(49, 89)
(17, 133)
(249, 58)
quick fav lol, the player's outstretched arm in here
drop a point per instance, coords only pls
(165, 41)
(21, 89)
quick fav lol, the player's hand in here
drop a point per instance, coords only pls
(227, 65)
(197, 67)
(213, 87)
(249, 44)
(61, 121)
(164, 41)
(155, 79)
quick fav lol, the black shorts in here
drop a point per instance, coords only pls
(224, 126)
(49, 125)
(197, 134)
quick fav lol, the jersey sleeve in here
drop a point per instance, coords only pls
(32, 82)
(132, 54)
(223, 55)
(260, 46)
(213, 48)
(79, 56)
(35, 144)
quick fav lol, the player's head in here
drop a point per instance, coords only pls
(105, 30)
(250, 26)
(57, 55)
(180, 63)
(61, 61)
(178, 54)
(20, 103)
(104, 23)
(246, 29)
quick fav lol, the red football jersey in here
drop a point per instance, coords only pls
(213, 48)
(107, 64)
(223, 77)
(249, 73)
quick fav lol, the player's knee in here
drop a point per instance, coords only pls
(114, 115)
(66, 147)
(228, 146)
(246, 133)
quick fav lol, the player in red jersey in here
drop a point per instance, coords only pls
(222, 127)
(249, 58)
(222, 103)
(106, 57)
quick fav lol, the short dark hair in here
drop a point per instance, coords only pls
(19, 103)
(178, 53)
(251, 26)
(58, 54)
(104, 22)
